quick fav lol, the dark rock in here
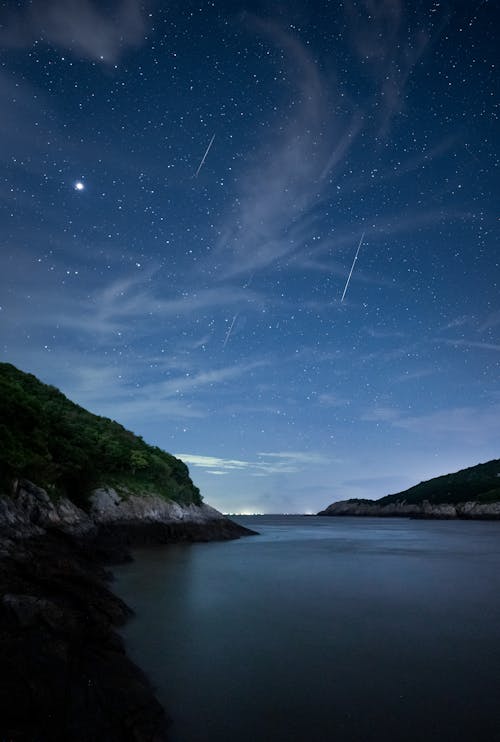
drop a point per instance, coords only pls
(30, 610)
(424, 510)
(119, 536)
(65, 674)
(68, 675)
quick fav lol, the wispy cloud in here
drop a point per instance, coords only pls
(82, 27)
(456, 322)
(194, 382)
(108, 384)
(471, 424)
(283, 462)
(213, 462)
(388, 47)
(492, 320)
(317, 255)
(416, 374)
(468, 423)
(280, 184)
(463, 343)
(382, 414)
(140, 299)
(288, 181)
(298, 457)
(183, 395)
(332, 400)
(383, 334)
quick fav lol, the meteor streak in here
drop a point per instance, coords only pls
(352, 268)
(204, 156)
(228, 334)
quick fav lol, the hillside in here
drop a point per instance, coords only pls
(46, 438)
(469, 493)
(77, 490)
(480, 483)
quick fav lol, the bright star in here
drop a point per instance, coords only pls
(79, 186)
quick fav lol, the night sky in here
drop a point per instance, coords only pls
(184, 188)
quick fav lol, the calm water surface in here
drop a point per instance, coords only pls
(319, 629)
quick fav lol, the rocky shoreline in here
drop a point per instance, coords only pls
(445, 511)
(66, 675)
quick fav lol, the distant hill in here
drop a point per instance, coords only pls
(480, 483)
(469, 493)
(46, 438)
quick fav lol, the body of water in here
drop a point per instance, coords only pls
(319, 629)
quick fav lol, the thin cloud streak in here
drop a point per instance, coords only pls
(462, 343)
(299, 457)
(465, 423)
(286, 462)
(112, 308)
(473, 423)
(177, 397)
(109, 386)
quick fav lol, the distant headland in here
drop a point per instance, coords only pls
(472, 493)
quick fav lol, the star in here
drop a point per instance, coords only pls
(222, 234)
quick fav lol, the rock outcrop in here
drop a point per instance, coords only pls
(29, 511)
(367, 508)
(150, 518)
(124, 518)
(65, 672)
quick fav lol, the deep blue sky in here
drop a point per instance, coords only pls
(204, 312)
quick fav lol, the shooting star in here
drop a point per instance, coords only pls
(228, 334)
(204, 156)
(247, 284)
(352, 268)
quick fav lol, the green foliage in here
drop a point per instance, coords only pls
(58, 445)
(138, 460)
(480, 483)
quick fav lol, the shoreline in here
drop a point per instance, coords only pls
(69, 676)
(470, 510)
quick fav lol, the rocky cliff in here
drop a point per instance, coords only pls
(127, 517)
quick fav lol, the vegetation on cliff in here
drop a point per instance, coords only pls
(69, 451)
(472, 493)
(480, 483)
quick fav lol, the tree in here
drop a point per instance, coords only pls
(138, 460)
